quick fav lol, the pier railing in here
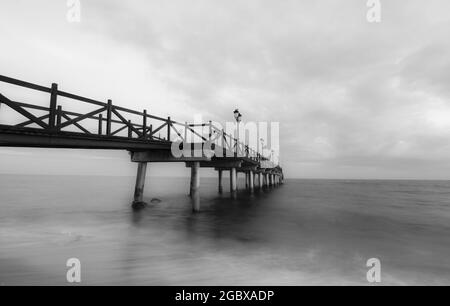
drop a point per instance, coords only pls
(110, 120)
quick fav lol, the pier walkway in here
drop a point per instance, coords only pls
(148, 138)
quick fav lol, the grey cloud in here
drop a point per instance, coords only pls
(346, 92)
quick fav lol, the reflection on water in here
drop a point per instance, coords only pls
(304, 232)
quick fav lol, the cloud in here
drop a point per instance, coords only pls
(346, 92)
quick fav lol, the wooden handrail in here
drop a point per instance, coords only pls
(143, 131)
(20, 83)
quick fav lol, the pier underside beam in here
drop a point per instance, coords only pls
(247, 169)
(224, 165)
(163, 156)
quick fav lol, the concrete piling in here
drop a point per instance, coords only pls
(233, 178)
(251, 182)
(139, 188)
(191, 182)
(220, 181)
(195, 186)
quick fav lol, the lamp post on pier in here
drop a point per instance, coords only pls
(233, 171)
(262, 147)
(238, 118)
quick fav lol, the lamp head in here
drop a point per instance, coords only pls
(236, 114)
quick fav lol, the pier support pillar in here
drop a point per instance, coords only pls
(138, 201)
(233, 179)
(251, 181)
(192, 182)
(195, 186)
(261, 181)
(220, 181)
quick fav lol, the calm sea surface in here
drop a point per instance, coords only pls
(304, 232)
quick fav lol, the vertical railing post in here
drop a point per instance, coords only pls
(100, 124)
(108, 117)
(52, 109)
(58, 117)
(144, 125)
(130, 131)
(169, 123)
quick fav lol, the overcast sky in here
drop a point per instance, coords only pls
(354, 99)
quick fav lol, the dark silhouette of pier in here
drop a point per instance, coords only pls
(147, 137)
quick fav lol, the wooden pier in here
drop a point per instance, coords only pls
(112, 127)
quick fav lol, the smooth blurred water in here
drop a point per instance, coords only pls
(304, 232)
